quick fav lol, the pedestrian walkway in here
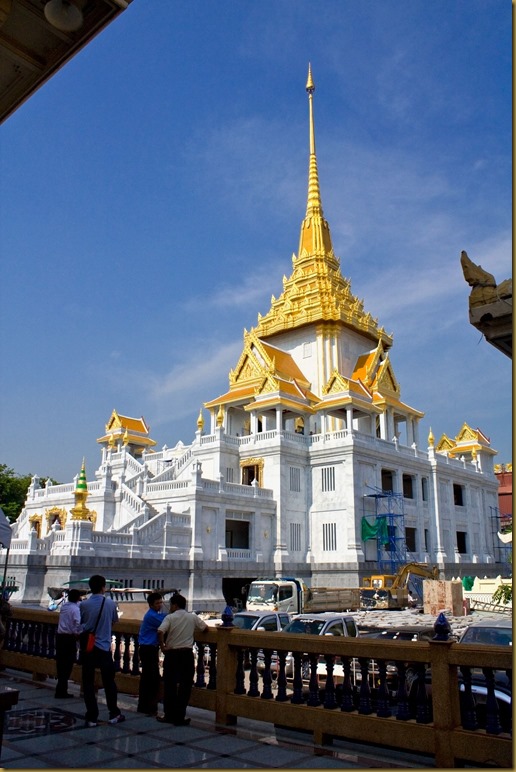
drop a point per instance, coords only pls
(44, 732)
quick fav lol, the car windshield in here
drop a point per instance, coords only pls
(307, 626)
(244, 623)
(494, 636)
(263, 592)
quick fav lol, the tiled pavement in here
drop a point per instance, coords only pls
(44, 732)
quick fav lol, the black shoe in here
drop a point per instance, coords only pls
(184, 722)
(164, 720)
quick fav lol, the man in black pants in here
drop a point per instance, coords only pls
(149, 655)
(68, 629)
(98, 615)
(176, 639)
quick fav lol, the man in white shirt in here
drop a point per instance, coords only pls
(68, 629)
(176, 636)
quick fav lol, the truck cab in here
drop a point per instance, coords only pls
(283, 594)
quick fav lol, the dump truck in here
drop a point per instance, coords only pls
(291, 594)
(380, 591)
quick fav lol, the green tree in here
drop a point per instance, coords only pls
(503, 594)
(13, 491)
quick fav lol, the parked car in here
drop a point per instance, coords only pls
(325, 623)
(489, 632)
(261, 620)
(405, 633)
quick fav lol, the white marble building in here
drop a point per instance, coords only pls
(277, 480)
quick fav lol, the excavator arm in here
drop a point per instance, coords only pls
(417, 569)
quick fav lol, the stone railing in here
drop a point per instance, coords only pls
(339, 687)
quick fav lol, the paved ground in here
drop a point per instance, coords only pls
(44, 732)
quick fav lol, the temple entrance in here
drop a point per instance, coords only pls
(235, 591)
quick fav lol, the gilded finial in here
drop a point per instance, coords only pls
(200, 421)
(112, 441)
(309, 82)
(431, 439)
(126, 437)
(220, 416)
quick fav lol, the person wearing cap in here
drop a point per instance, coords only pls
(176, 636)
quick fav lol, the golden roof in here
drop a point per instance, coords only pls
(131, 430)
(316, 291)
(467, 441)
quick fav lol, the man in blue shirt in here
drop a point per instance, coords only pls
(149, 655)
(98, 614)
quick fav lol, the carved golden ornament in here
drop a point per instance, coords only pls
(220, 416)
(200, 421)
(257, 464)
(431, 438)
(35, 522)
(126, 437)
(55, 513)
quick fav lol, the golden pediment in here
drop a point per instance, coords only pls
(336, 384)
(445, 444)
(386, 382)
(466, 434)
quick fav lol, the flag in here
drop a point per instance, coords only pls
(5, 530)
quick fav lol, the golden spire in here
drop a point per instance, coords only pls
(431, 438)
(316, 291)
(200, 421)
(315, 233)
(220, 417)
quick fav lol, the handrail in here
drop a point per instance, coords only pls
(355, 688)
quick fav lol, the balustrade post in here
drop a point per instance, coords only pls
(226, 668)
(445, 701)
(364, 705)
(282, 678)
(347, 704)
(253, 675)
(267, 677)
(468, 713)
(297, 685)
(383, 710)
(313, 686)
(330, 702)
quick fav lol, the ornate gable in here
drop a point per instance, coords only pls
(336, 384)
(385, 381)
(466, 434)
(445, 444)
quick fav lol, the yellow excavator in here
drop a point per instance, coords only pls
(391, 591)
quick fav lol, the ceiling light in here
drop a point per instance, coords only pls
(63, 15)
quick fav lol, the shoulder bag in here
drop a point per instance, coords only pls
(87, 638)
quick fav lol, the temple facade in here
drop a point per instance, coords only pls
(290, 472)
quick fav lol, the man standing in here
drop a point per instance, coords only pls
(98, 614)
(176, 639)
(68, 629)
(149, 655)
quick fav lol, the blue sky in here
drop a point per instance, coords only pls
(152, 193)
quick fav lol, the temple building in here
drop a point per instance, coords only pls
(290, 470)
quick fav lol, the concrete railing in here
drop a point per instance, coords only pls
(442, 721)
